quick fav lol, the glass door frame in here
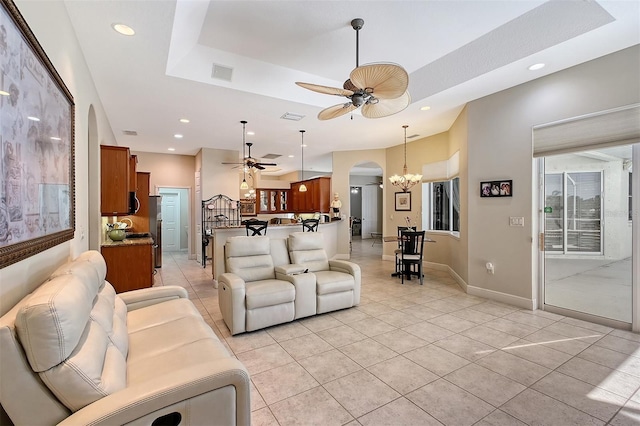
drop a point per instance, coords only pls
(539, 203)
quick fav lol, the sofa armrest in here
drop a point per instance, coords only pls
(137, 299)
(290, 269)
(231, 298)
(180, 385)
(351, 269)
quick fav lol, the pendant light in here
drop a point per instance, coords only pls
(407, 180)
(244, 184)
(303, 187)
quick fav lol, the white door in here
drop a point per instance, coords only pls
(369, 210)
(170, 221)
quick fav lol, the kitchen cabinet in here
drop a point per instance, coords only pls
(129, 266)
(273, 200)
(317, 198)
(115, 179)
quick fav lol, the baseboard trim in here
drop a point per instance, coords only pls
(498, 296)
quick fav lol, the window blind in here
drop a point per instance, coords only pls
(442, 170)
(619, 126)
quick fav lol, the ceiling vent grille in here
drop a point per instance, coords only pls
(292, 116)
(272, 156)
(130, 133)
(221, 72)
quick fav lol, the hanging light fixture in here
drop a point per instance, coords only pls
(244, 184)
(407, 180)
(303, 187)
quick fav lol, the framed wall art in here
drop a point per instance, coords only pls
(248, 207)
(496, 188)
(37, 176)
(403, 201)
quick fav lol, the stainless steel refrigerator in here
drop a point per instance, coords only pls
(155, 227)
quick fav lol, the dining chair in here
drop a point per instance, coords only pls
(398, 251)
(310, 225)
(412, 253)
(257, 227)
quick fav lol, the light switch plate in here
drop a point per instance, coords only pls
(516, 221)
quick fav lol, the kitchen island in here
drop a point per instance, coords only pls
(328, 230)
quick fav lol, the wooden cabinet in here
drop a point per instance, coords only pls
(133, 177)
(273, 200)
(115, 179)
(129, 267)
(317, 198)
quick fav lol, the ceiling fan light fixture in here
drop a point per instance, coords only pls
(407, 180)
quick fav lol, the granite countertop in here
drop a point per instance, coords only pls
(127, 242)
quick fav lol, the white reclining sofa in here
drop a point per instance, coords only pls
(74, 352)
(273, 281)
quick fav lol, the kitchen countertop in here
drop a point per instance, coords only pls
(127, 242)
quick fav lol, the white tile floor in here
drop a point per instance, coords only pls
(427, 355)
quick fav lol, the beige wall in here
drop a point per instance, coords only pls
(500, 147)
(172, 171)
(459, 247)
(60, 44)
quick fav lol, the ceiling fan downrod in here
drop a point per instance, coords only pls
(357, 25)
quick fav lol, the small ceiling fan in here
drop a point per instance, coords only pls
(379, 88)
(249, 162)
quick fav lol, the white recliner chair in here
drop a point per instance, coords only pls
(337, 281)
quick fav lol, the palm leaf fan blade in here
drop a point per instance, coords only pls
(325, 89)
(388, 81)
(386, 107)
(336, 111)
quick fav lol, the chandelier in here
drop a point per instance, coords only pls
(407, 180)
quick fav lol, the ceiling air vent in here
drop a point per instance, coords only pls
(413, 136)
(292, 116)
(271, 156)
(130, 133)
(221, 72)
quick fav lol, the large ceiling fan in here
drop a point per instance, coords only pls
(248, 162)
(379, 88)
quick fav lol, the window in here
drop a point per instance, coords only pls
(441, 210)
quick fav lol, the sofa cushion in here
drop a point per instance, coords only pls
(95, 258)
(67, 331)
(333, 282)
(268, 293)
(307, 249)
(249, 258)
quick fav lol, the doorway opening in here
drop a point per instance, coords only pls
(366, 215)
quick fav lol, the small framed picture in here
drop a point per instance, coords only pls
(403, 201)
(496, 188)
(248, 207)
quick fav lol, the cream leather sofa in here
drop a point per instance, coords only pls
(75, 352)
(263, 287)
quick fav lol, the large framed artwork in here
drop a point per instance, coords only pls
(37, 176)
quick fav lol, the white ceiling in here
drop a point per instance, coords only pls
(454, 51)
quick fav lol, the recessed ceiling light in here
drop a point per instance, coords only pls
(536, 67)
(290, 156)
(251, 133)
(3, 93)
(184, 120)
(33, 118)
(55, 138)
(177, 136)
(171, 149)
(425, 108)
(123, 29)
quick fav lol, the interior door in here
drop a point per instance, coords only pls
(170, 221)
(370, 219)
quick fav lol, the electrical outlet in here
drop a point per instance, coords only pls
(516, 221)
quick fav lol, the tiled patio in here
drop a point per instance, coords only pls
(427, 355)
